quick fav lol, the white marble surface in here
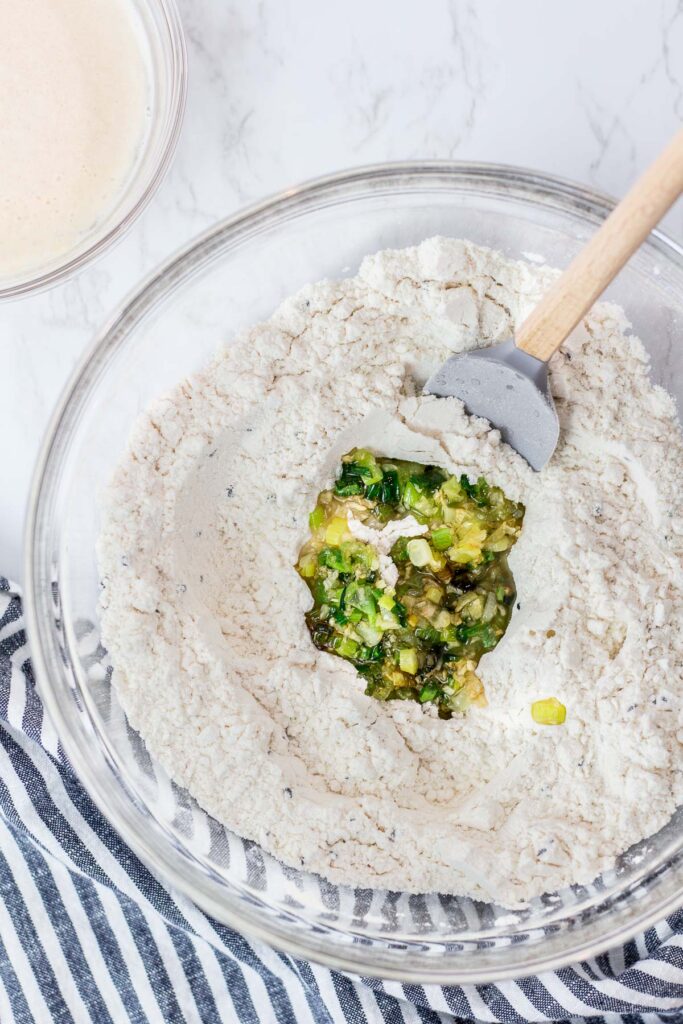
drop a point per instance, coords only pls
(282, 90)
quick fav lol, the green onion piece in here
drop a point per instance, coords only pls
(333, 593)
(427, 633)
(350, 481)
(345, 646)
(478, 492)
(442, 538)
(451, 490)
(317, 517)
(359, 595)
(386, 490)
(369, 654)
(478, 631)
(347, 488)
(419, 552)
(366, 461)
(407, 660)
(333, 558)
(548, 712)
(337, 529)
(490, 607)
(390, 492)
(370, 635)
(399, 552)
(428, 692)
(400, 613)
(359, 554)
(430, 479)
(411, 495)
(418, 498)
(307, 566)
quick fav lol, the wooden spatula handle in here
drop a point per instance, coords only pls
(573, 294)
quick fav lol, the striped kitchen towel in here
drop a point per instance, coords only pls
(89, 934)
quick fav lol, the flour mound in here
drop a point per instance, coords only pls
(203, 613)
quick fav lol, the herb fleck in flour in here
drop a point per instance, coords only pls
(203, 612)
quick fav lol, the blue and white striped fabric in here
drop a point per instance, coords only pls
(89, 934)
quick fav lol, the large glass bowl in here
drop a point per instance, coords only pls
(228, 278)
(159, 30)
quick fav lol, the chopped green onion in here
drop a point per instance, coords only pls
(407, 660)
(366, 463)
(442, 538)
(345, 646)
(370, 635)
(452, 490)
(359, 470)
(411, 495)
(418, 499)
(428, 634)
(470, 606)
(421, 638)
(399, 552)
(316, 518)
(400, 613)
(478, 492)
(490, 607)
(387, 490)
(349, 483)
(369, 654)
(430, 479)
(333, 558)
(337, 529)
(419, 552)
(548, 712)
(479, 632)
(307, 566)
(359, 596)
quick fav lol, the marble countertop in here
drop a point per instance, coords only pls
(283, 90)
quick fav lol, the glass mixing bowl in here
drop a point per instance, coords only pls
(162, 42)
(236, 274)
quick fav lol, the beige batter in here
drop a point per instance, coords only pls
(73, 99)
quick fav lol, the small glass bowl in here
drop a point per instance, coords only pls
(163, 40)
(230, 277)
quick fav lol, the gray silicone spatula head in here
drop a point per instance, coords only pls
(508, 384)
(510, 389)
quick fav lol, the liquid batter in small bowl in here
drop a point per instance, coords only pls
(90, 102)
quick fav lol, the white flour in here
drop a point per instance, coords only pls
(203, 612)
(383, 540)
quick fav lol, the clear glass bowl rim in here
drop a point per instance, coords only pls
(142, 187)
(390, 960)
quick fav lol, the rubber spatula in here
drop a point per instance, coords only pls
(507, 383)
